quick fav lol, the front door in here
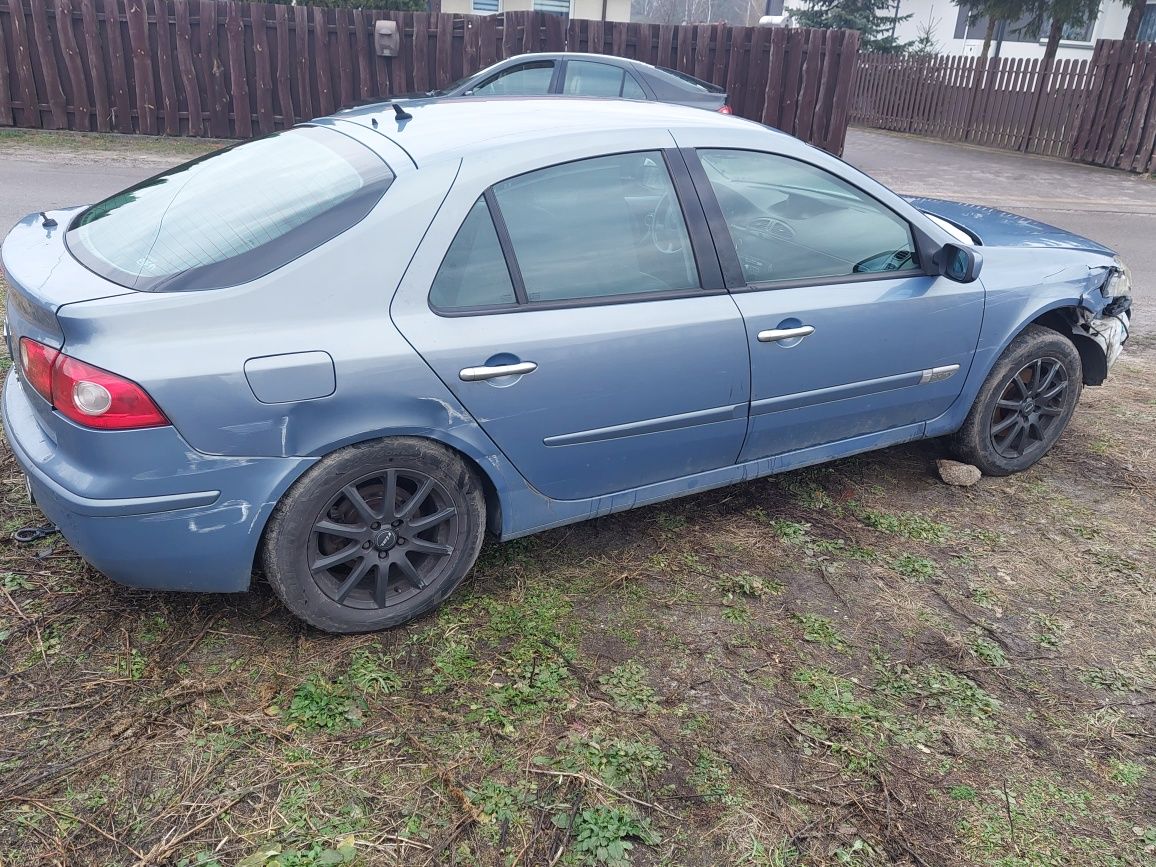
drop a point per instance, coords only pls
(848, 335)
(569, 317)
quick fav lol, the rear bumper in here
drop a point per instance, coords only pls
(108, 501)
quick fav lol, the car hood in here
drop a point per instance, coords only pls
(996, 228)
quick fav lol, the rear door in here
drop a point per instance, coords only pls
(848, 334)
(579, 315)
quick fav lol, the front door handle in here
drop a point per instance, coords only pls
(477, 374)
(774, 335)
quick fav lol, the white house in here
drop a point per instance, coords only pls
(953, 34)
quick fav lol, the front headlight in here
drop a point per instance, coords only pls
(1119, 280)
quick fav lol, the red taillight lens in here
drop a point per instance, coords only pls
(96, 398)
(88, 395)
(726, 109)
(36, 362)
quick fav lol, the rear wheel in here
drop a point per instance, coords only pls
(375, 535)
(1024, 405)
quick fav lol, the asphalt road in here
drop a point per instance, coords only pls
(1112, 207)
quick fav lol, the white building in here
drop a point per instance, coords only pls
(953, 34)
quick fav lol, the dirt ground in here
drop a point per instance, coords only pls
(852, 664)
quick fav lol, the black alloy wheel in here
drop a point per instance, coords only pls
(1028, 407)
(1024, 404)
(375, 534)
(383, 538)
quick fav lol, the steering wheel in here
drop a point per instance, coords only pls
(666, 227)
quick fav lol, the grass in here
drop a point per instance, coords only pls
(852, 664)
(42, 143)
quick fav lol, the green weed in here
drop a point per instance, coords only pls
(603, 835)
(746, 584)
(987, 650)
(372, 672)
(1126, 773)
(327, 705)
(820, 630)
(617, 762)
(915, 567)
(626, 684)
(906, 524)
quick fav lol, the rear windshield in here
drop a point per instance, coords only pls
(696, 83)
(231, 216)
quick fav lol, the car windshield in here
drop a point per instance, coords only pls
(233, 215)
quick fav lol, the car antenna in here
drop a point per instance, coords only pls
(47, 221)
(401, 113)
(373, 120)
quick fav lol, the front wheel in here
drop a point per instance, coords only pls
(1024, 404)
(375, 535)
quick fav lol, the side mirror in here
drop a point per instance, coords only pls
(961, 264)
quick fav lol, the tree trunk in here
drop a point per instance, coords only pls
(987, 37)
(1054, 33)
(1135, 16)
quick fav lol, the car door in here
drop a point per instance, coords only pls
(566, 310)
(848, 334)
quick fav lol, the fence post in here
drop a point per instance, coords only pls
(1037, 96)
(977, 83)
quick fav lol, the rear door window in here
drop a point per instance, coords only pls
(232, 216)
(474, 272)
(606, 226)
(587, 78)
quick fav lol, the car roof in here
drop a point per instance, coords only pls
(473, 125)
(578, 55)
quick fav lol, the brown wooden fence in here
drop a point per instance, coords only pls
(1004, 102)
(1118, 124)
(228, 69)
(1101, 111)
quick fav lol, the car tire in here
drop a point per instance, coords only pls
(1024, 404)
(351, 519)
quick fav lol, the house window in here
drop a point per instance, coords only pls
(1080, 32)
(975, 28)
(1148, 24)
(486, 7)
(556, 7)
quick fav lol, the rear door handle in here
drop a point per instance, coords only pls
(477, 374)
(774, 335)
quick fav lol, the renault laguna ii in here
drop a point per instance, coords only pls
(342, 352)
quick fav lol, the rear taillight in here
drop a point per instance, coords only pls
(726, 109)
(36, 362)
(88, 395)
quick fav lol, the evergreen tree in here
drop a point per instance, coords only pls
(874, 19)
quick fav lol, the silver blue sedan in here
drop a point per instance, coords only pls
(344, 352)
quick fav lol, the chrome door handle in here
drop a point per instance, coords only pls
(774, 335)
(476, 374)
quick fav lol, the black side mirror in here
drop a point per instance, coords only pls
(961, 264)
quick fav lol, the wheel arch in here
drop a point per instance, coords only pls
(1060, 315)
(478, 463)
(1065, 320)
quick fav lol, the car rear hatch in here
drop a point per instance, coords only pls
(42, 277)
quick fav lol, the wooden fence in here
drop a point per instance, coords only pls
(229, 69)
(1118, 125)
(1101, 111)
(1005, 102)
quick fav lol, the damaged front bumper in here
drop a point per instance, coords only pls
(1108, 330)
